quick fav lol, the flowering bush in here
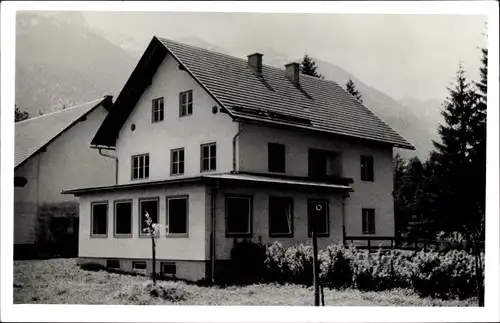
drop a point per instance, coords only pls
(336, 266)
(299, 264)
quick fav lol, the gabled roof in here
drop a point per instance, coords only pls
(38, 132)
(315, 104)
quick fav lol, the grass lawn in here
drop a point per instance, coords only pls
(61, 281)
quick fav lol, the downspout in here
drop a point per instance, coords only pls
(116, 163)
(213, 218)
(240, 129)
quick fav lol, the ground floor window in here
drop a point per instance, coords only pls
(280, 216)
(177, 215)
(123, 218)
(317, 211)
(238, 216)
(150, 206)
(99, 219)
(368, 221)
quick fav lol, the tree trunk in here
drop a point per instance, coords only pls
(479, 271)
(315, 267)
(154, 260)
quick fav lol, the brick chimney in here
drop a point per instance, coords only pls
(255, 63)
(292, 73)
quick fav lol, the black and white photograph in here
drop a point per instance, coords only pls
(284, 157)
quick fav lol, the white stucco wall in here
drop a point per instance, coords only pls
(67, 163)
(252, 148)
(173, 248)
(173, 132)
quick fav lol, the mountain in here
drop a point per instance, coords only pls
(75, 62)
(60, 61)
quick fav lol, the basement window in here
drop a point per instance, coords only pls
(114, 264)
(99, 219)
(238, 216)
(168, 268)
(139, 266)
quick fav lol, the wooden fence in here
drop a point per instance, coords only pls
(372, 243)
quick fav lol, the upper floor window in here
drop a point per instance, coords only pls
(158, 110)
(99, 219)
(177, 161)
(140, 166)
(208, 157)
(367, 168)
(368, 220)
(186, 103)
(276, 157)
(323, 163)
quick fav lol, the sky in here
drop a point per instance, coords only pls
(405, 56)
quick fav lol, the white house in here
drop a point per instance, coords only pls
(219, 148)
(52, 154)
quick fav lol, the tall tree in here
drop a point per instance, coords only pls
(308, 67)
(454, 157)
(351, 88)
(20, 115)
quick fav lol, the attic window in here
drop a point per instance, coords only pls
(158, 110)
(186, 103)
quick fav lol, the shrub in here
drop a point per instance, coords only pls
(247, 262)
(275, 265)
(336, 266)
(299, 264)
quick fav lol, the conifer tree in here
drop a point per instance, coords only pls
(308, 67)
(351, 88)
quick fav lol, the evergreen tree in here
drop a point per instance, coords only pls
(351, 88)
(456, 188)
(308, 67)
(20, 115)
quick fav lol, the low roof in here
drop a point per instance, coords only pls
(210, 178)
(35, 133)
(315, 104)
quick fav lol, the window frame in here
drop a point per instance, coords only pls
(281, 235)
(160, 110)
(269, 159)
(365, 171)
(117, 261)
(147, 199)
(326, 154)
(115, 218)
(250, 217)
(132, 167)
(172, 263)
(103, 202)
(202, 157)
(181, 105)
(327, 206)
(167, 220)
(365, 223)
(177, 150)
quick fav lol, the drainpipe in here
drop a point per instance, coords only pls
(213, 218)
(116, 162)
(240, 129)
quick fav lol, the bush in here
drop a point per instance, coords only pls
(247, 262)
(336, 266)
(275, 266)
(299, 264)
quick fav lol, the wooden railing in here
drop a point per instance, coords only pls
(386, 242)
